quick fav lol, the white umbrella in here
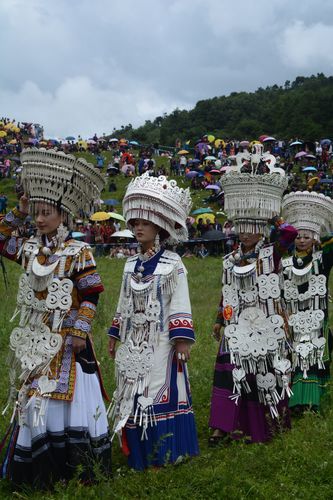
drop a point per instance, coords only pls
(267, 139)
(125, 233)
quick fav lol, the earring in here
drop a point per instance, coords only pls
(157, 243)
(62, 234)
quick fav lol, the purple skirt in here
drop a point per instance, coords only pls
(246, 418)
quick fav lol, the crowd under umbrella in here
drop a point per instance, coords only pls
(295, 143)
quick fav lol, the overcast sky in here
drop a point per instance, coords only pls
(86, 66)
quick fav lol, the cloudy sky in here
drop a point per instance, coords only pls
(86, 66)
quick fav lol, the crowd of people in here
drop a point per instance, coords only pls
(272, 323)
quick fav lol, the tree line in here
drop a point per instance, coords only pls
(299, 109)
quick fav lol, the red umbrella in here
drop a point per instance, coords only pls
(262, 137)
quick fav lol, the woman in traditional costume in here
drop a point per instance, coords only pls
(152, 402)
(59, 420)
(306, 275)
(252, 372)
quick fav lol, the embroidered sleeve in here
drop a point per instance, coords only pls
(82, 325)
(86, 278)
(180, 317)
(115, 327)
(10, 245)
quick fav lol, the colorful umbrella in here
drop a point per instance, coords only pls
(3, 133)
(325, 142)
(215, 171)
(312, 157)
(113, 139)
(134, 143)
(100, 216)
(215, 187)
(267, 139)
(211, 138)
(200, 211)
(296, 143)
(206, 217)
(262, 137)
(244, 144)
(300, 154)
(191, 174)
(116, 216)
(210, 158)
(70, 138)
(111, 202)
(183, 152)
(125, 233)
(310, 168)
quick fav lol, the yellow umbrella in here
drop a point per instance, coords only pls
(313, 181)
(8, 126)
(219, 142)
(3, 133)
(211, 138)
(82, 144)
(43, 143)
(13, 141)
(114, 215)
(100, 216)
(254, 142)
(16, 130)
(183, 152)
(205, 217)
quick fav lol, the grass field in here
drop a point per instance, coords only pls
(297, 464)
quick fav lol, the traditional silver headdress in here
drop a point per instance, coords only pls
(309, 211)
(69, 183)
(251, 198)
(160, 201)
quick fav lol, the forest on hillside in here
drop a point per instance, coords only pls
(302, 108)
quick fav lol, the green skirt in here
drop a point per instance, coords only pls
(308, 392)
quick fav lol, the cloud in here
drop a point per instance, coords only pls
(82, 67)
(307, 47)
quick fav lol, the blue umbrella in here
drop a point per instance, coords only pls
(134, 143)
(70, 138)
(112, 202)
(192, 174)
(200, 211)
(325, 142)
(309, 169)
(77, 234)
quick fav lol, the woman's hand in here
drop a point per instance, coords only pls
(112, 347)
(24, 204)
(217, 333)
(78, 344)
(182, 350)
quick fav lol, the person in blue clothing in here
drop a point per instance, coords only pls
(152, 404)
